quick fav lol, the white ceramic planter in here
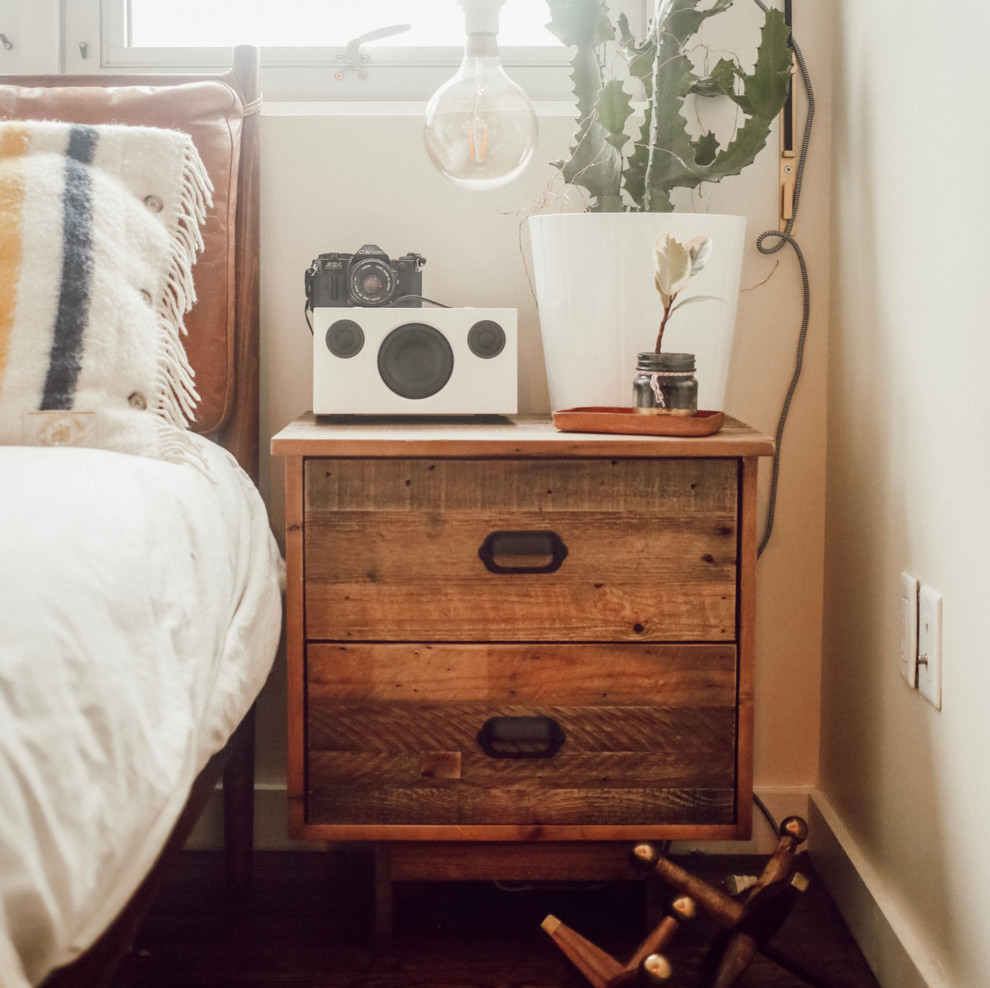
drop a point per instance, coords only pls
(593, 274)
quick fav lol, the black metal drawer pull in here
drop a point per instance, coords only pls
(539, 544)
(521, 737)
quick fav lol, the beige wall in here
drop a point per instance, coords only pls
(909, 465)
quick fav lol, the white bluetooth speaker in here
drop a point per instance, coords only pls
(429, 361)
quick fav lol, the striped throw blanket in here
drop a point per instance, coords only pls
(99, 230)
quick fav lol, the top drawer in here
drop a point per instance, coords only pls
(391, 549)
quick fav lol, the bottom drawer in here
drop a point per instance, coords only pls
(583, 736)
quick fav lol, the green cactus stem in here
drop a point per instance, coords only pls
(639, 175)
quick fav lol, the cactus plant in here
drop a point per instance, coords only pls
(623, 174)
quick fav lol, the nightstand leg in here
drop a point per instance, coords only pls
(383, 899)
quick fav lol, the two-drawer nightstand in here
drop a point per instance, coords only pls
(511, 647)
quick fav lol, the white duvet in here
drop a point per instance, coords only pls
(140, 610)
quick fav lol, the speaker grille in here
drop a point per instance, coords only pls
(486, 338)
(415, 360)
(345, 338)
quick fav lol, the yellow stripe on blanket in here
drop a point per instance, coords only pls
(13, 145)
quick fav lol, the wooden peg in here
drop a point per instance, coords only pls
(682, 909)
(776, 876)
(655, 969)
(762, 916)
(750, 923)
(793, 833)
(599, 968)
(719, 906)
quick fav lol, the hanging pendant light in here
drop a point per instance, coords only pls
(480, 128)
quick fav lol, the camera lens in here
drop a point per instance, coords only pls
(371, 282)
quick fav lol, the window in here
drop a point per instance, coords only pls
(308, 49)
(191, 23)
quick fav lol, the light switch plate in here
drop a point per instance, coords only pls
(930, 645)
(909, 629)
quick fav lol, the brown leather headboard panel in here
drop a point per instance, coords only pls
(211, 111)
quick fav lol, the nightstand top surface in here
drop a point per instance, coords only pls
(517, 435)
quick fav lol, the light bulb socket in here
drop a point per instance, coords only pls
(481, 46)
(481, 16)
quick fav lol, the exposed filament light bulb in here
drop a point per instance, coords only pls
(480, 127)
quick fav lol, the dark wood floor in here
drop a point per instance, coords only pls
(309, 923)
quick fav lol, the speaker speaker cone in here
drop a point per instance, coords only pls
(345, 338)
(486, 338)
(415, 361)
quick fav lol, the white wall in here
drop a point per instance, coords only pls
(909, 466)
(32, 27)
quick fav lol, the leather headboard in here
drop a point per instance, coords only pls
(211, 111)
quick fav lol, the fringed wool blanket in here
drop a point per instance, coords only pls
(99, 230)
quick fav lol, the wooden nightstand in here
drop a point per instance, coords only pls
(510, 647)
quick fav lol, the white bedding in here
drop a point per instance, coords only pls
(140, 610)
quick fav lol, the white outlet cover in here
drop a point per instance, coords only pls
(930, 645)
(909, 629)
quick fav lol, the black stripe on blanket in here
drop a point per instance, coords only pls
(65, 360)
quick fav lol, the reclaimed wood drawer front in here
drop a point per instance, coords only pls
(648, 734)
(392, 549)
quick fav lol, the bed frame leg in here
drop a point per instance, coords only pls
(238, 809)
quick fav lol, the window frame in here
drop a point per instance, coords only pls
(385, 72)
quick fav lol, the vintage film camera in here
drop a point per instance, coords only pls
(368, 277)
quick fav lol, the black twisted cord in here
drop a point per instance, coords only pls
(783, 238)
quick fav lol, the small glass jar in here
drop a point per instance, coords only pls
(665, 384)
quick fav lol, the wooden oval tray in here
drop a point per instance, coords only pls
(629, 421)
